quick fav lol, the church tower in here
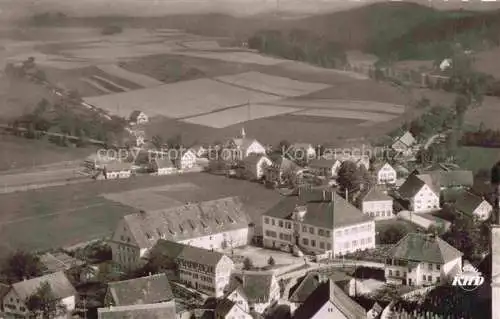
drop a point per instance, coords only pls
(243, 134)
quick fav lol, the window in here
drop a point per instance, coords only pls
(313, 243)
(288, 225)
(328, 246)
(321, 232)
(305, 241)
(273, 222)
(322, 245)
(430, 266)
(438, 279)
(397, 273)
(266, 220)
(281, 223)
(390, 272)
(327, 233)
(423, 277)
(438, 267)
(311, 230)
(304, 229)
(429, 278)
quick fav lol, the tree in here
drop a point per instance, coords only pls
(391, 235)
(22, 265)
(43, 303)
(248, 264)
(271, 261)
(349, 178)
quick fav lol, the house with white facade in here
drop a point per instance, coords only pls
(138, 117)
(282, 169)
(144, 290)
(473, 206)
(14, 302)
(163, 166)
(404, 143)
(204, 270)
(261, 290)
(237, 295)
(229, 309)
(422, 259)
(185, 159)
(242, 146)
(420, 194)
(254, 166)
(320, 222)
(325, 167)
(385, 173)
(377, 204)
(116, 170)
(215, 224)
(329, 301)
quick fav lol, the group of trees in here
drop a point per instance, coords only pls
(299, 45)
(482, 137)
(352, 179)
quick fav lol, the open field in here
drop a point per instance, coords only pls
(369, 106)
(485, 114)
(63, 216)
(358, 115)
(237, 57)
(178, 100)
(201, 45)
(272, 84)
(139, 79)
(476, 158)
(238, 115)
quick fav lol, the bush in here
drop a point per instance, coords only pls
(111, 29)
(247, 264)
(271, 261)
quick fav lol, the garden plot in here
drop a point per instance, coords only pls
(139, 79)
(357, 115)
(272, 84)
(237, 57)
(179, 100)
(344, 104)
(240, 114)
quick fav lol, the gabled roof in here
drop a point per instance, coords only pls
(467, 203)
(256, 286)
(164, 310)
(59, 261)
(328, 211)
(187, 221)
(424, 248)
(378, 165)
(224, 306)
(283, 164)
(178, 251)
(326, 292)
(407, 139)
(144, 290)
(117, 166)
(244, 143)
(135, 114)
(304, 288)
(411, 186)
(59, 283)
(375, 194)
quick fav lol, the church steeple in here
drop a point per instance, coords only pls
(243, 134)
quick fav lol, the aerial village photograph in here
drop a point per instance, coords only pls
(249, 159)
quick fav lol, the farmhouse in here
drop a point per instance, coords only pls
(303, 289)
(138, 117)
(325, 167)
(144, 290)
(420, 194)
(404, 143)
(377, 204)
(280, 170)
(385, 173)
(204, 270)
(450, 179)
(214, 224)
(14, 301)
(260, 289)
(254, 166)
(329, 301)
(422, 259)
(186, 159)
(243, 146)
(116, 170)
(236, 295)
(473, 206)
(164, 310)
(228, 309)
(319, 222)
(163, 166)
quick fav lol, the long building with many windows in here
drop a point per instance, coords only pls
(318, 222)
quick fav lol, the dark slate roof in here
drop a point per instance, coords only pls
(304, 288)
(165, 310)
(187, 221)
(173, 250)
(424, 248)
(375, 194)
(333, 212)
(224, 306)
(411, 186)
(144, 290)
(325, 292)
(255, 286)
(467, 203)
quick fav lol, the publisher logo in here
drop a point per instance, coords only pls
(469, 279)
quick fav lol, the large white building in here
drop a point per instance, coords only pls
(204, 270)
(420, 194)
(14, 302)
(215, 224)
(377, 204)
(422, 259)
(319, 222)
